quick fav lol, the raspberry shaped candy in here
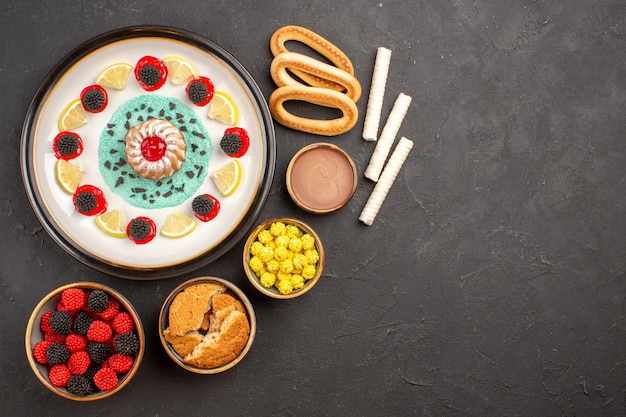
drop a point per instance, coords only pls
(98, 352)
(97, 301)
(61, 322)
(80, 385)
(123, 323)
(89, 200)
(105, 379)
(74, 299)
(111, 311)
(235, 142)
(44, 323)
(75, 342)
(57, 354)
(120, 363)
(99, 331)
(150, 73)
(200, 91)
(79, 362)
(141, 230)
(94, 98)
(39, 351)
(67, 145)
(59, 375)
(205, 207)
(81, 323)
(127, 344)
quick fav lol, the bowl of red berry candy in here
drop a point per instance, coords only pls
(84, 341)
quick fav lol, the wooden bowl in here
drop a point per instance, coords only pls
(273, 291)
(164, 324)
(34, 335)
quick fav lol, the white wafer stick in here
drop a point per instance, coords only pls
(377, 93)
(387, 137)
(379, 193)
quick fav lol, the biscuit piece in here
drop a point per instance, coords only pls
(183, 345)
(187, 310)
(220, 348)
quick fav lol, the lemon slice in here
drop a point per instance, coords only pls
(73, 116)
(113, 223)
(178, 224)
(115, 76)
(223, 109)
(227, 177)
(180, 70)
(68, 175)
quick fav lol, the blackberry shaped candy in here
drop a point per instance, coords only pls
(94, 98)
(141, 230)
(150, 73)
(89, 200)
(67, 145)
(205, 207)
(235, 142)
(200, 91)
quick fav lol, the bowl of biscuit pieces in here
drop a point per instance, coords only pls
(207, 325)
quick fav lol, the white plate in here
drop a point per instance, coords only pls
(162, 257)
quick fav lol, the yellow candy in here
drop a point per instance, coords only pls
(268, 279)
(277, 229)
(309, 271)
(284, 257)
(285, 287)
(282, 241)
(256, 264)
(286, 266)
(308, 242)
(297, 281)
(299, 262)
(266, 254)
(272, 265)
(255, 248)
(265, 237)
(293, 231)
(312, 256)
(281, 253)
(295, 244)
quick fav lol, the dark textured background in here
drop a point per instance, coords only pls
(493, 279)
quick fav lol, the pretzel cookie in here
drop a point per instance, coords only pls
(306, 65)
(315, 95)
(300, 77)
(314, 41)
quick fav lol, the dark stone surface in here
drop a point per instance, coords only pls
(493, 279)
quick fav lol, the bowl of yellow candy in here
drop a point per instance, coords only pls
(283, 258)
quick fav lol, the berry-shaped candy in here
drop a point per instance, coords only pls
(99, 331)
(150, 73)
(127, 344)
(94, 98)
(81, 323)
(80, 385)
(60, 322)
(205, 207)
(98, 352)
(235, 142)
(75, 342)
(120, 363)
(200, 91)
(44, 323)
(123, 323)
(79, 362)
(105, 379)
(39, 351)
(57, 353)
(111, 311)
(67, 145)
(89, 200)
(59, 375)
(74, 299)
(97, 301)
(141, 230)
